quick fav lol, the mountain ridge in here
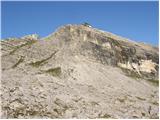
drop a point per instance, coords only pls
(74, 72)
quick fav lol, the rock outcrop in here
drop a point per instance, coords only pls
(79, 72)
(32, 37)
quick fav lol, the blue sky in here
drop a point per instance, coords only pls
(134, 20)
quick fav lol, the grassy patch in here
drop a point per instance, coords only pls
(37, 63)
(105, 116)
(20, 46)
(143, 114)
(154, 82)
(121, 100)
(19, 61)
(41, 62)
(54, 71)
(114, 42)
(155, 103)
(140, 98)
(94, 103)
(50, 37)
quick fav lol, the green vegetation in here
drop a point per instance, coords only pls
(121, 100)
(20, 46)
(37, 63)
(49, 37)
(155, 103)
(143, 114)
(54, 71)
(140, 98)
(154, 82)
(41, 62)
(94, 103)
(105, 116)
(19, 61)
(115, 42)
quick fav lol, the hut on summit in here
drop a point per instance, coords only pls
(86, 24)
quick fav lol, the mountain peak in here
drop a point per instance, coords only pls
(79, 66)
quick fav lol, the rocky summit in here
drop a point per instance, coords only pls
(79, 72)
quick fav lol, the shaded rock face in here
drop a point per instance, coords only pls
(112, 51)
(79, 72)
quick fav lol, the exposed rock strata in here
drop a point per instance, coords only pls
(79, 72)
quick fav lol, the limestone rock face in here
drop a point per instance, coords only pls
(32, 37)
(79, 72)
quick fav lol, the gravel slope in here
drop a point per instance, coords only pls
(79, 72)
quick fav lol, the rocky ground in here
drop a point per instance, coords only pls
(79, 72)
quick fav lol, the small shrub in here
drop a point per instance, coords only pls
(140, 98)
(54, 71)
(121, 100)
(155, 103)
(20, 46)
(154, 82)
(143, 114)
(37, 63)
(41, 62)
(19, 61)
(105, 116)
(114, 42)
